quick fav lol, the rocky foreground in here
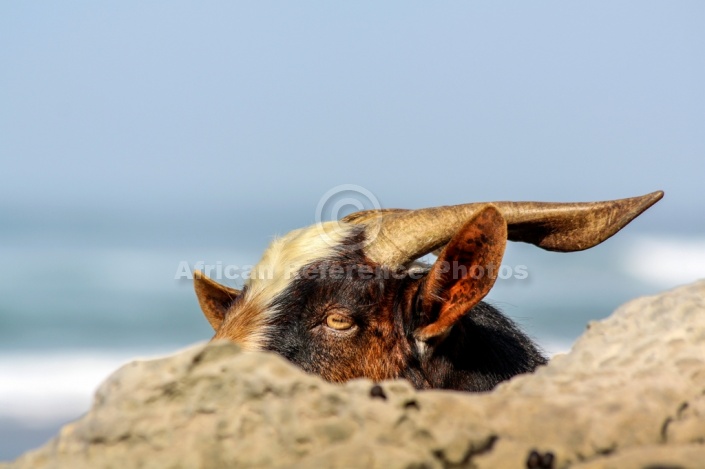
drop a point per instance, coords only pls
(631, 394)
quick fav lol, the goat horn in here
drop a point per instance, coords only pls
(399, 236)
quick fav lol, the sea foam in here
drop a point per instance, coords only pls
(37, 389)
(666, 261)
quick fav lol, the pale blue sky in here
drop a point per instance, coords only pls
(251, 111)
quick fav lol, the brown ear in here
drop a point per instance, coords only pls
(465, 271)
(214, 298)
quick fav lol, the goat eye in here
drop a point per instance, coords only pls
(339, 322)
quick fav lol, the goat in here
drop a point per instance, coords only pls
(347, 300)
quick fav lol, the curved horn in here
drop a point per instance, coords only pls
(399, 236)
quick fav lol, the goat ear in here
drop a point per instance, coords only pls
(214, 298)
(464, 273)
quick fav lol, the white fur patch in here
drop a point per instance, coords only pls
(279, 265)
(422, 347)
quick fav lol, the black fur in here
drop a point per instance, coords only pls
(482, 349)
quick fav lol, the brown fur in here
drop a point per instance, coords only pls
(375, 347)
(479, 244)
(215, 299)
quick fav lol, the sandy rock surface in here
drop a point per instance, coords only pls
(630, 394)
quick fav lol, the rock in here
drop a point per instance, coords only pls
(630, 394)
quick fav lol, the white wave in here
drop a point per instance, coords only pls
(555, 346)
(37, 389)
(666, 261)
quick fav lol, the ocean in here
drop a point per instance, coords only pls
(78, 298)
